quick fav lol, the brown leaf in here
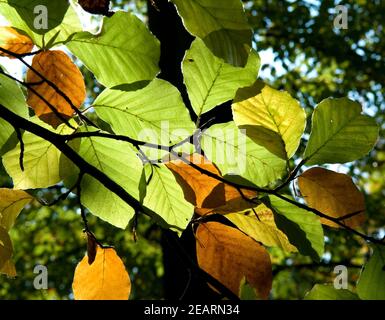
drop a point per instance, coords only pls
(14, 41)
(105, 279)
(96, 6)
(57, 67)
(334, 194)
(229, 256)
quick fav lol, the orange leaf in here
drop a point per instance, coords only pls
(14, 41)
(105, 279)
(334, 194)
(199, 189)
(58, 68)
(95, 6)
(229, 256)
(234, 202)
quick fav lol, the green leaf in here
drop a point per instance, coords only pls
(328, 292)
(123, 52)
(302, 227)
(340, 133)
(165, 197)
(6, 248)
(236, 154)
(12, 98)
(262, 229)
(154, 114)
(11, 203)
(120, 163)
(271, 118)
(62, 19)
(371, 284)
(221, 25)
(41, 160)
(210, 81)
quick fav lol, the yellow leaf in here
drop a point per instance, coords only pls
(334, 194)
(262, 229)
(15, 42)
(11, 203)
(6, 248)
(271, 118)
(58, 68)
(9, 269)
(229, 256)
(105, 279)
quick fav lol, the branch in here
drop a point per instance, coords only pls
(60, 143)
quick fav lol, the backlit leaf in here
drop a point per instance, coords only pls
(271, 118)
(13, 99)
(58, 68)
(261, 228)
(340, 132)
(328, 292)
(123, 52)
(165, 197)
(119, 162)
(234, 200)
(11, 203)
(156, 113)
(210, 81)
(14, 41)
(371, 284)
(62, 19)
(334, 194)
(229, 256)
(41, 160)
(199, 189)
(302, 227)
(236, 154)
(222, 26)
(105, 279)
